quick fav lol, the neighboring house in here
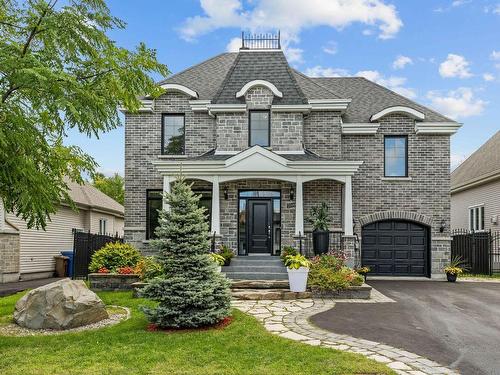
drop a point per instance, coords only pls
(263, 144)
(475, 189)
(96, 213)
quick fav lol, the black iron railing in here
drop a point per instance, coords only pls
(260, 41)
(85, 244)
(479, 250)
(306, 247)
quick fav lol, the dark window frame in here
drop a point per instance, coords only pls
(405, 136)
(172, 114)
(148, 224)
(250, 126)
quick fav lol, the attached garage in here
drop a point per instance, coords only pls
(396, 248)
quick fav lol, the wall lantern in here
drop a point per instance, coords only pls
(226, 194)
(443, 226)
(292, 194)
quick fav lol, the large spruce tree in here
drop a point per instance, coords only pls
(192, 292)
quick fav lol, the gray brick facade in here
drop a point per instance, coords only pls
(425, 192)
(9, 256)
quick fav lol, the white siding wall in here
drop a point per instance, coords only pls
(488, 194)
(38, 247)
(113, 223)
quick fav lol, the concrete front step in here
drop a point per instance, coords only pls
(256, 257)
(253, 262)
(257, 275)
(259, 284)
(245, 268)
(260, 294)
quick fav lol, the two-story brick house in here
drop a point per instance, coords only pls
(263, 143)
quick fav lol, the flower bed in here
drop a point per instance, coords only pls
(112, 281)
(351, 292)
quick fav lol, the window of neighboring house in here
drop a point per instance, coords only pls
(259, 128)
(395, 156)
(154, 202)
(173, 131)
(102, 226)
(476, 218)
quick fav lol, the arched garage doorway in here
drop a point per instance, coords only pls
(396, 248)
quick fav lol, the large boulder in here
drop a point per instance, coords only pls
(60, 305)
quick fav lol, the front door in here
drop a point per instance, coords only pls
(259, 221)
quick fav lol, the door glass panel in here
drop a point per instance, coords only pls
(242, 217)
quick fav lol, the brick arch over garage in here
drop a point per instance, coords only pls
(391, 215)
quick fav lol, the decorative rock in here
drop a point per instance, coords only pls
(63, 304)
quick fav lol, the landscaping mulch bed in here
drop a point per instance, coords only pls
(221, 325)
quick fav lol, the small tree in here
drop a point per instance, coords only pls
(192, 292)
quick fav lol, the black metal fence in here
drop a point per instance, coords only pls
(306, 247)
(480, 251)
(260, 41)
(84, 245)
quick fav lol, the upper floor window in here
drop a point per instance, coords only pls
(259, 129)
(396, 156)
(476, 218)
(173, 134)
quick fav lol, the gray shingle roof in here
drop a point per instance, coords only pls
(484, 162)
(270, 66)
(369, 98)
(89, 196)
(206, 77)
(219, 78)
(210, 155)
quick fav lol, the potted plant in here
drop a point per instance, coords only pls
(298, 269)
(226, 253)
(320, 221)
(363, 271)
(454, 268)
(287, 251)
(218, 259)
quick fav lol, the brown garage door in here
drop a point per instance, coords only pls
(395, 248)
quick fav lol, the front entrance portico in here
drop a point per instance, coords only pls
(258, 163)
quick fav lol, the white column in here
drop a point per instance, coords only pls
(166, 189)
(348, 230)
(299, 208)
(215, 206)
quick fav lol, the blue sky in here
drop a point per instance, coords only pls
(443, 54)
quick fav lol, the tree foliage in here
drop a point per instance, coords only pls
(59, 70)
(192, 293)
(111, 186)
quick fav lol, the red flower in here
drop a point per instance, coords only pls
(103, 270)
(125, 270)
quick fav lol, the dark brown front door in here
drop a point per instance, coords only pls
(259, 226)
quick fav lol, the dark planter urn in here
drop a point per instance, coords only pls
(451, 277)
(321, 241)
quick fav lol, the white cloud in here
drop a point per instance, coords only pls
(234, 45)
(401, 61)
(292, 16)
(458, 103)
(495, 55)
(497, 9)
(319, 71)
(331, 48)
(457, 3)
(393, 83)
(488, 77)
(367, 32)
(455, 66)
(456, 160)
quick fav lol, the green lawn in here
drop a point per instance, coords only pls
(474, 276)
(242, 348)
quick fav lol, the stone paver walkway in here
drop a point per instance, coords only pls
(290, 319)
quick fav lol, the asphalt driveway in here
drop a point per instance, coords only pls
(456, 325)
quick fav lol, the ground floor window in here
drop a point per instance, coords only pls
(102, 226)
(476, 218)
(154, 202)
(259, 222)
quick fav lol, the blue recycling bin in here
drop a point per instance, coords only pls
(69, 254)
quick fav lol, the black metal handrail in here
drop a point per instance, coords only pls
(260, 41)
(306, 248)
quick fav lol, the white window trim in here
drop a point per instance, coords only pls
(102, 225)
(472, 212)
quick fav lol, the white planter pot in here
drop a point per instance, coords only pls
(298, 279)
(219, 268)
